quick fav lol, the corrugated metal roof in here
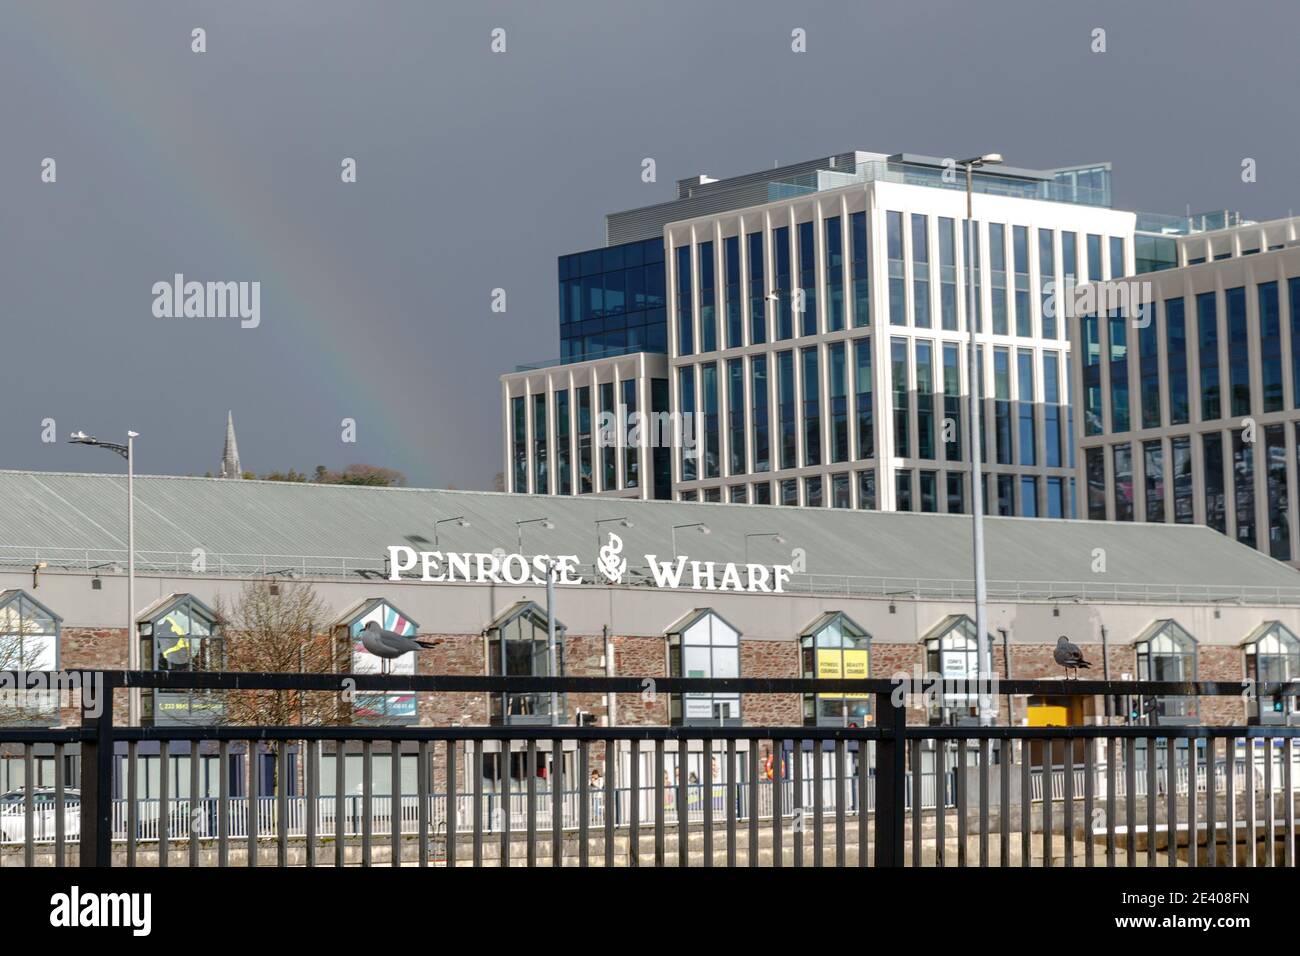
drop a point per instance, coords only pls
(248, 526)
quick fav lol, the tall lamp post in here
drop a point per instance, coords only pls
(698, 525)
(550, 605)
(623, 522)
(985, 651)
(127, 451)
(460, 521)
(774, 535)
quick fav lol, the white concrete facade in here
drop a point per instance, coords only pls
(562, 427)
(1258, 389)
(876, 200)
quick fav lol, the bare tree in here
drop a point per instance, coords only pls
(19, 653)
(280, 627)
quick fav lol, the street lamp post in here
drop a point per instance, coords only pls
(623, 522)
(774, 535)
(985, 652)
(461, 522)
(550, 605)
(127, 451)
(703, 529)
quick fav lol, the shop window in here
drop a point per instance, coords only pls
(395, 707)
(952, 655)
(29, 641)
(1273, 656)
(833, 647)
(1167, 652)
(519, 646)
(180, 633)
(702, 644)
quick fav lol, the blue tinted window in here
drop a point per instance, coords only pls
(708, 299)
(1176, 359)
(1119, 406)
(902, 425)
(861, 271)
(784, 283)
(1027, 433)
(812, 422)
(808, 278)
(834, 274)
(1270, 347)
(757, 292)
(685, 312)
(862, 390)
(735, 331)
(1123, 464)
(998, 277)
(785, 408)
(1047, 282)
(839, 410)
(1149, 365)
(920, 272)
(1238, 350)
(894, 247)
(925, 437)
(1207, 330)
(611, 301)
(759, 401)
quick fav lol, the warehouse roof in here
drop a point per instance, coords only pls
(242, 527)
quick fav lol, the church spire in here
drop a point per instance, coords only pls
(230, 454)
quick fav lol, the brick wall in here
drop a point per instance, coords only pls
(770, 659)
(93, 648)
(641, 657)
(462, 654)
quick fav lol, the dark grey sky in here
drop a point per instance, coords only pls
(477, 169)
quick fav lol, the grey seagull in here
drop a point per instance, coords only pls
(389, 644)
(1068, 656)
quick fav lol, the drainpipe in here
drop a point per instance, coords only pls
(611, 699)
(1006, 667)
(1105, 670)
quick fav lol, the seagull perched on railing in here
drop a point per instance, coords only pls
(390, 644)
(1069, 656)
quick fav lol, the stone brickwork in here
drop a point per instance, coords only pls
(104, 648)
(770, 659)
(93, 648)
(641, 657)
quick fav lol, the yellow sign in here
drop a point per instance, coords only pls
(837, 665)
(1047, 715)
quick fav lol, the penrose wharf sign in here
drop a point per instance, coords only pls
(679, 573)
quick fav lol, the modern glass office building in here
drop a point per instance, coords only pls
(805, 332)
(1192, 403)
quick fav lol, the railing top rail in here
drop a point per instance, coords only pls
(918, 684)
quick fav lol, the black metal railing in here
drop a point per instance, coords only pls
(887, 794)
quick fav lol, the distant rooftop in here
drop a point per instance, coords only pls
(1087, 184)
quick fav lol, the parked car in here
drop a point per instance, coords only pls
(13, 814)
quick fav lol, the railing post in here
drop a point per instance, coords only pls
(891, 777)
(97, 774)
